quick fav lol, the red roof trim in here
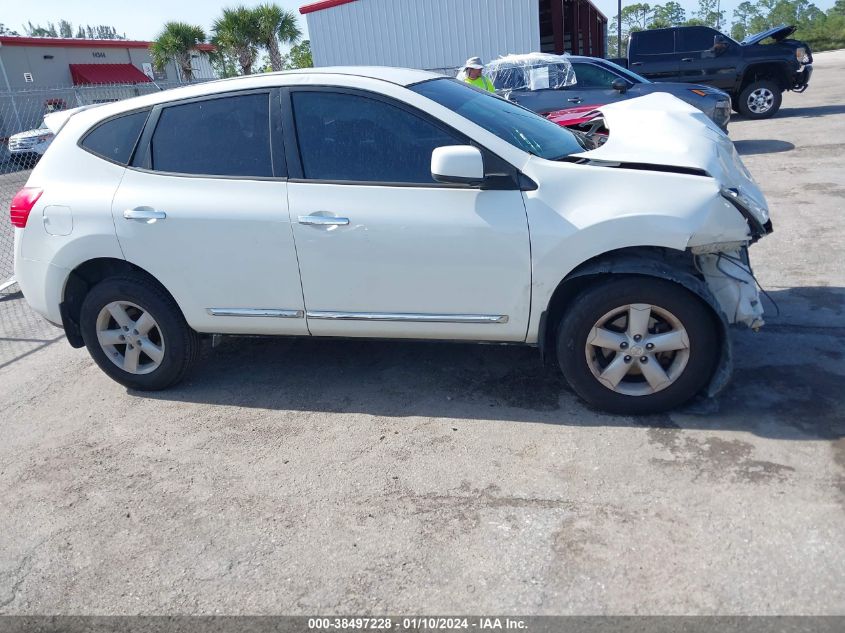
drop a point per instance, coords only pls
(14, 40)
(323, 4)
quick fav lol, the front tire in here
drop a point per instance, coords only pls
(760, 99)
(136, 333)
(638, 345)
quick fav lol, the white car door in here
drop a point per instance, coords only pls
(384, 250)
(204, 210)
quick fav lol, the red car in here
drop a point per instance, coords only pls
(585, 120)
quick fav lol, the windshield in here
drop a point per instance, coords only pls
(628, 73)
(518, 126)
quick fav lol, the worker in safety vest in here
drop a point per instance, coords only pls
(474, 76)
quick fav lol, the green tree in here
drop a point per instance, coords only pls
(238, 33)
(666, 15)
(6, 31)
(299, 56)
(709, 14)
(276, 25)
(65, 28)
(743, 15)
(41, 31)
(176, 41)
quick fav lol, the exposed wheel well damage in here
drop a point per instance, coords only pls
(672, 265)
(79, 283)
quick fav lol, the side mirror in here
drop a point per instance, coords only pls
(457, 164)
(619, 85)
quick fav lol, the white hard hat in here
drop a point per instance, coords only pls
(474, 62)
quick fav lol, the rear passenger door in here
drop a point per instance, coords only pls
(203, 208)
(654, 55)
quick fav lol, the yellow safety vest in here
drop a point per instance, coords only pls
(482, 82)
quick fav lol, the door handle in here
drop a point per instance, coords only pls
(575, 100)
(637, 64)
(323, 220)
(145, 214)
(686, 59)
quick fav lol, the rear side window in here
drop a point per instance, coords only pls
(353, 138)
(695, 38)
(654, 42)
(116, 138)
(229, 136)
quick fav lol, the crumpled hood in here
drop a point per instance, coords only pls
(659, 129)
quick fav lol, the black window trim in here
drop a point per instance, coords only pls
(509, 181)
(81, 142)
(141, 159)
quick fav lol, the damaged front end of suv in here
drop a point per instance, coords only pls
(667, 195)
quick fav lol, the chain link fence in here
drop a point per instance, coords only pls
(23, 140)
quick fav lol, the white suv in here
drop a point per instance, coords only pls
(394, 203)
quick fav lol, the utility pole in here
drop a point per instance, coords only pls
(718, 15)
(619, 29)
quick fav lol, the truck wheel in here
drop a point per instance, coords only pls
(638, 345)
(136, 333)
(760, 99)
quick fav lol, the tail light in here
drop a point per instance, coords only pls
(22, 204)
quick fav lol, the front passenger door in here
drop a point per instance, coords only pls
(384, 250)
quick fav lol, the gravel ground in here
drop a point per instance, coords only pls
(291, 477)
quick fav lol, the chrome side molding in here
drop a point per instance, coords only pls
(407, 317)
(256, 312)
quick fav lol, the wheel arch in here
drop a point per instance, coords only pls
(663, 263)
(84, 277)
(774, 71)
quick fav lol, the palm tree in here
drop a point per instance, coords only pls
(275, 24)
(238, 31)
(176, 42)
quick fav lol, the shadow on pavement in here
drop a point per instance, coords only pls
(787, 383)
(762, 146)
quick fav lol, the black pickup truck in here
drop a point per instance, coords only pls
(753, 73)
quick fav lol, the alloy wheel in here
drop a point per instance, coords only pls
(761, 100)
(130, 337)
(637, 349)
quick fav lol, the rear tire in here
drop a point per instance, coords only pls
(136, 333)
(760, 99)
(655, 339)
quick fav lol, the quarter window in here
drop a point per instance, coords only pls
(116, 138)
(354, 138)
(228, 136)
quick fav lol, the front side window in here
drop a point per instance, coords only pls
(591, 76)
(346, 137)
(116, 138)
(695, 38)
(518, 126)
(228, 136)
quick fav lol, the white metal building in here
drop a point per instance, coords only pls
(440, 35)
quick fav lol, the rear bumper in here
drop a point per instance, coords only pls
(42, 286)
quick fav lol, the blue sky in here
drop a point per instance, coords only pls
(142, 20)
